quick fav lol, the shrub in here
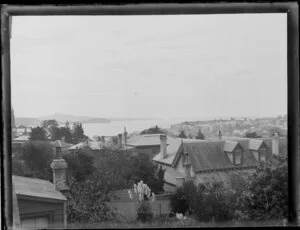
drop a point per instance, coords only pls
(144, 212)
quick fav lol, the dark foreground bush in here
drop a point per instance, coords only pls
(144, 213)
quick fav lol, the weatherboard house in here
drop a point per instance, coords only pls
(220, 159)
(39, 203)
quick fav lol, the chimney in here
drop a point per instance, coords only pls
(63, 139)
(125, 136)
(163, 146)
(275, 144)
(59, 167)
(179, 181)
(119, 140)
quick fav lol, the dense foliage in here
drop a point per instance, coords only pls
(153, 130)
(182, 135)
(200, 135)
(263, 197)
(38, 133)
(87, 200)
(33, 160)
(252, 135)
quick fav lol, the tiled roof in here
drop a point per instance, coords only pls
(172, 149)
(36, 188)
(211, 156)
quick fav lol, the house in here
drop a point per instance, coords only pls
(148, 144)
(38, 203)
(217, 159)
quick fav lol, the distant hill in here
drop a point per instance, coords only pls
(59, 117)
(27, 121)
(72, 118)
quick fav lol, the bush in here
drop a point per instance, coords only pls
(144, 212)
(182, 199)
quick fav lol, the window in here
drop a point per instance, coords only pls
(230, 156)
(260, 155)
(263, 155)
(238, 157)
(255, 154)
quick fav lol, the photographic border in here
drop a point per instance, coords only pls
(291, 8)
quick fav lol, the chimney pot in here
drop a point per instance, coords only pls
(163, 146)
(275, 144)
(59, 167)
(119, 140)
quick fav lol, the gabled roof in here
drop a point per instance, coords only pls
(230, 146)
(36, 188)
(255, 144)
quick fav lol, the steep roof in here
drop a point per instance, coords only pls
(210, 155)
(36, 188)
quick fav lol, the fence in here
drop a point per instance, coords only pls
(128, 208)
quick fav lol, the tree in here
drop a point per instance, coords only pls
(200, 135)
(80, 165)
(66, 133)
(49, 123)
(182, 134)
(78, 133)
(252, 135)
(37, 157)
(153, 130)
(267, 196)
(87, 200)
(38, 133)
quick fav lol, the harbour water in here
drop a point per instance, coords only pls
(115, 127)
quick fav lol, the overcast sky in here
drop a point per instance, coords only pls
(150, 66)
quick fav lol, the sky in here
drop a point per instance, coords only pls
(159, 66)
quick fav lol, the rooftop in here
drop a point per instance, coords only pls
(36, 188)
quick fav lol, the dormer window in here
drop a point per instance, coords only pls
(260, 155)
(259, 150)
(234, 151)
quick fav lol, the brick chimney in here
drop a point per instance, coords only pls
(219, 135)
(275, 144)
(163, 146)
(120, 140)
(59, 167)
(125, 136)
